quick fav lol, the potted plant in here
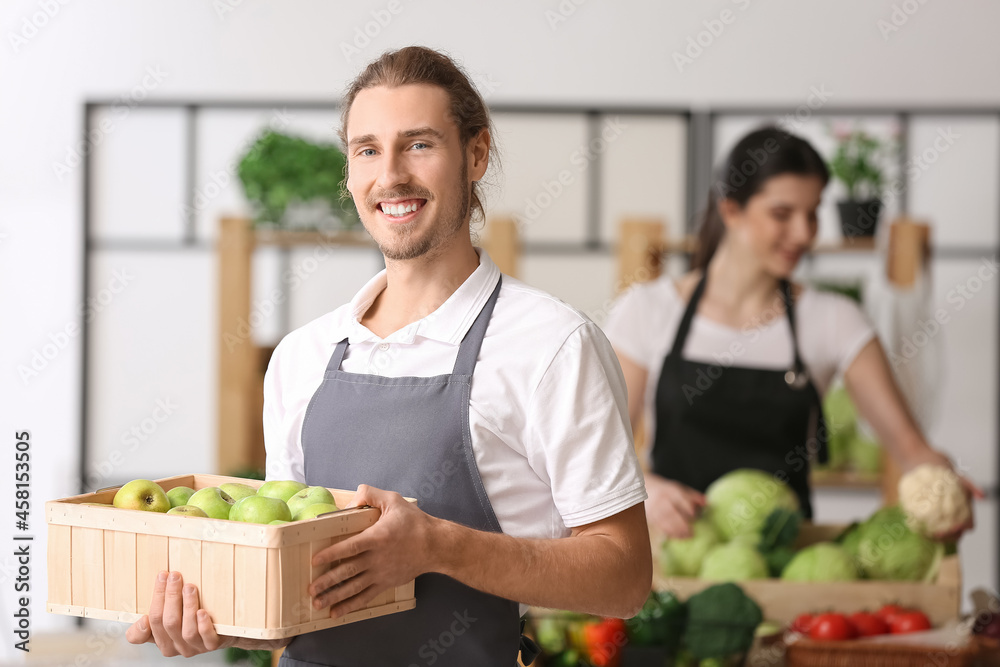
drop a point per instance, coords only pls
(295, 183)
(856, 163)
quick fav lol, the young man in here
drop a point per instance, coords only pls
(501, 409)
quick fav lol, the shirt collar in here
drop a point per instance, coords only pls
(448, 324)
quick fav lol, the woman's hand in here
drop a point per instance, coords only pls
(932, 456)
(178, 625)
(671, 506)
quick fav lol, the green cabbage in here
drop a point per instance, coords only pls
(740, 501)
(734, 561)
(888, 549)
(683, 558)
(823, 561)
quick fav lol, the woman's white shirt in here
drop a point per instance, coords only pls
(643, 323)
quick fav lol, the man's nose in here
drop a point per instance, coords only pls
(392, 171)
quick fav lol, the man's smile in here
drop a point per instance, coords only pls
(400, 210)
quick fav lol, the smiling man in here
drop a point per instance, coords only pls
(497, 406)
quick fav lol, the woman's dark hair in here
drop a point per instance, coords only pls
(757, 157)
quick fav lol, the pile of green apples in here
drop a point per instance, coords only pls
(274, 503)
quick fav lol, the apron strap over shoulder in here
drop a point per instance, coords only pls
(337, 357)
(468, 351)
(685, 326)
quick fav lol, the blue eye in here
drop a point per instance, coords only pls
(368, 152)
(419, 144)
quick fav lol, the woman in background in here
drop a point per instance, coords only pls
(728, 363)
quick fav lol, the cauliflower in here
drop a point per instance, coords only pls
(933, 499)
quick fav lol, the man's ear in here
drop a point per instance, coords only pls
(479, 154)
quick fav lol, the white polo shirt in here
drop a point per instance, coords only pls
(548, 408)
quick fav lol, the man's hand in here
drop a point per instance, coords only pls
(390, 553)
(178, 625)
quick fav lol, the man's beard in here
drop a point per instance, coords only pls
(402, 245)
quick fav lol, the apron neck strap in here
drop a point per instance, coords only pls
(692, 306)
(685, 325)
(786, 295)
(468, 351)
(337, 357)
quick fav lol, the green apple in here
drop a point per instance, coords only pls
(237, 491)
(309, 496)
(282, 489)
(277, 522)
(314, 510)
(260, 509)
(142, 494)
(213, 501)
(187, 510)
(179, 495)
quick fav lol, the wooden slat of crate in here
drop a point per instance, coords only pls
(58, 561)
(184, 556)
(119, 571)
(315, 571)
(88, 567)
(249, 576)
(272, 591)
(150, 559)
(295, 600)
(217, 594)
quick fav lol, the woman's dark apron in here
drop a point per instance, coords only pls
(712, 419)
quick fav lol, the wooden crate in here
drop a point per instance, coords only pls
(782, 601)
(252, 578)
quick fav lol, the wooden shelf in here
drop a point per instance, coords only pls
(687, 244)
(288, 238)
(845, 479)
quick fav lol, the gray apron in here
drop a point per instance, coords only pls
(410, 435)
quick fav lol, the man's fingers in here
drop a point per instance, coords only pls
(160, 635)
(173, 614)
(190, 630)
(363, 597)
(139, 632)
(366, 495)
(206, 628)
(349, 548)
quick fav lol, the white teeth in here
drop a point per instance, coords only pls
(397, 210)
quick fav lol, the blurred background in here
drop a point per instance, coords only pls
(152, 254)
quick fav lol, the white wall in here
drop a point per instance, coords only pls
(771, 52)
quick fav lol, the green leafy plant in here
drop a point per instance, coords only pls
(256, 658)
(856, 163)
(280, 170)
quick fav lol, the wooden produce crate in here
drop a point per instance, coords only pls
(252, 578)
(782, 601)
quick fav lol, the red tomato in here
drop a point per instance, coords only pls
(912, 621)
(868, 624)
(801, 624)
(831, 627)
(604, 640)
(890, 611)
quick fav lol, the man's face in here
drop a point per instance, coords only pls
(408, 171)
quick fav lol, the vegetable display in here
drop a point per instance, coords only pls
(711, 627)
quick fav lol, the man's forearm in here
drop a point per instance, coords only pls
(592, 573)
